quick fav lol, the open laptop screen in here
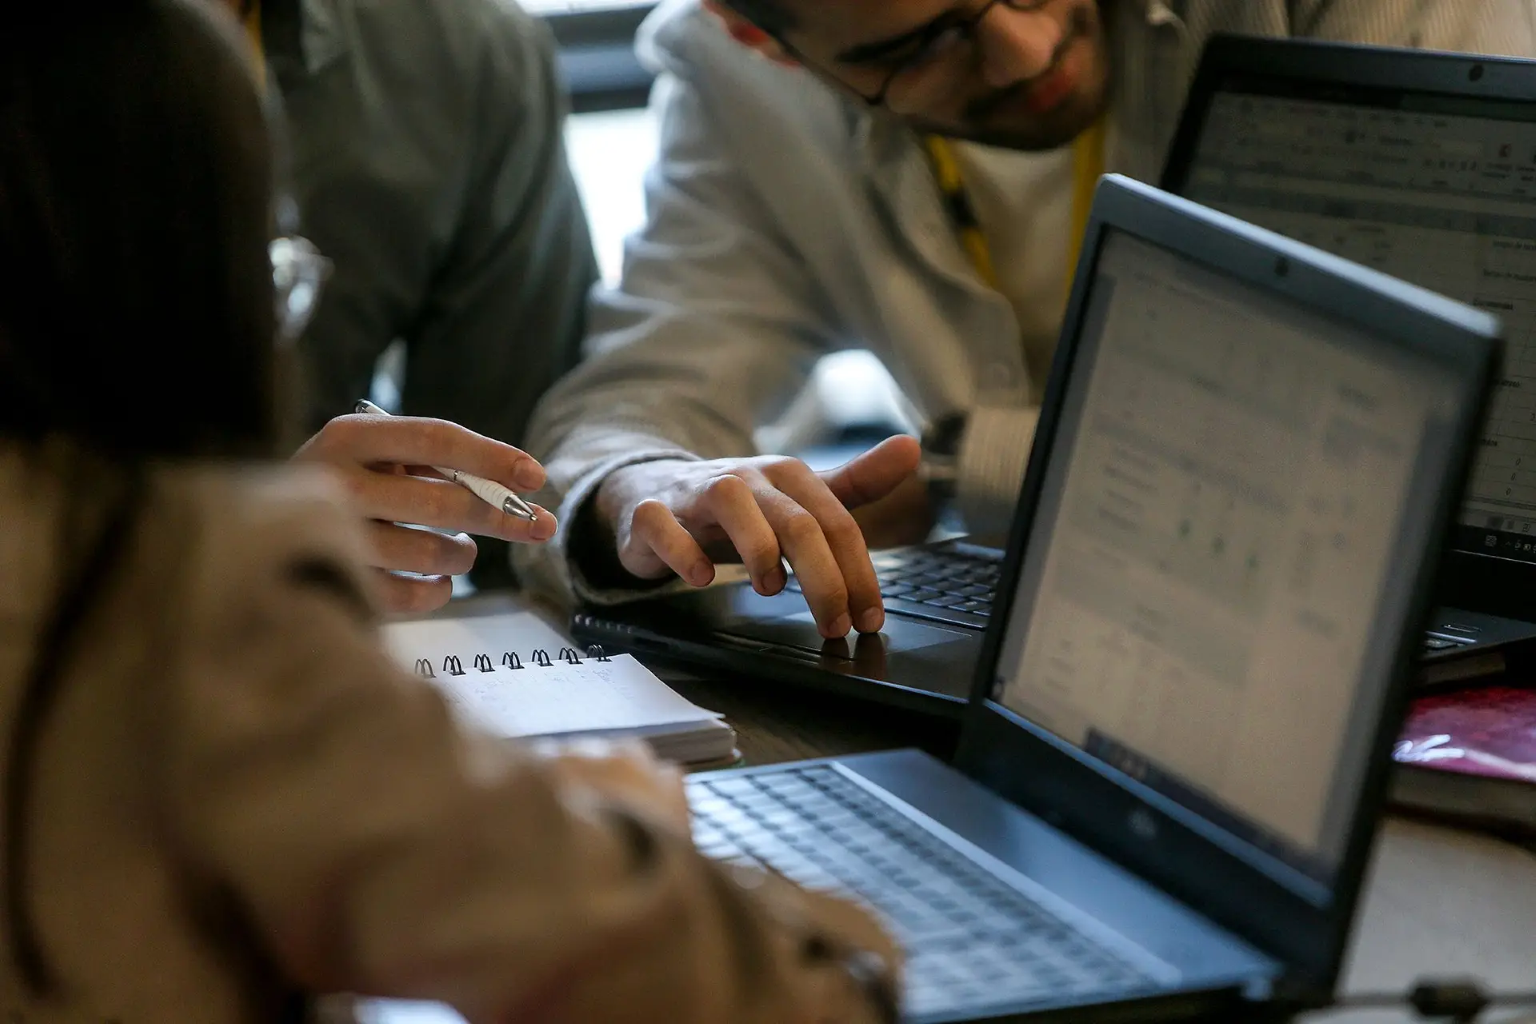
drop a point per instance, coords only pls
(1216, 534)
(1436, 190)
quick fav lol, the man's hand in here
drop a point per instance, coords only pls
(684, 517)
(385, 463)
(905, 516)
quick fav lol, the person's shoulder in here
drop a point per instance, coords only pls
(681, 33)
(451, 29)
(437, 62)
(262, 526)
(502, 23)
(766, 99)
(674, 22)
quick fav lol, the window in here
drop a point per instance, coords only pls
(597, 50)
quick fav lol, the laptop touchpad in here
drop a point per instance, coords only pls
(899, 635)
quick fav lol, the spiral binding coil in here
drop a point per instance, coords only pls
(453, 665)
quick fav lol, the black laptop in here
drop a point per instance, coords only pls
(1175, 749)
(1421, 165)
(1307, 122)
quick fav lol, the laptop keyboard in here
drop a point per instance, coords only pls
(969, 937)
(941, 578)
(962, 581)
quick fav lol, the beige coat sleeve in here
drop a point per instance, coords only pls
(380, 850)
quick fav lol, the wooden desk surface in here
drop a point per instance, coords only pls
(791, 725)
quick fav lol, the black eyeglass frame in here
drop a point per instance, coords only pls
(964, 30)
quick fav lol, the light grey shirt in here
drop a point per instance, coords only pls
(429, 165)
(785, 222)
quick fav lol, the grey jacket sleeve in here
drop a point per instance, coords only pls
(715, 328)
(1506, 27)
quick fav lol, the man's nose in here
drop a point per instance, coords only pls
(1016, 45)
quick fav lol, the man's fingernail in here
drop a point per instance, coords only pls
(871, 620)
(842, 625)
(528, 475)
(542, 528)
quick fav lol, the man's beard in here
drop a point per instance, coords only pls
(1047, 131)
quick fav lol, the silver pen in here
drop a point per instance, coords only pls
(488, 491)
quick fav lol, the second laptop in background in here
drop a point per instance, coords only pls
(1420, 165)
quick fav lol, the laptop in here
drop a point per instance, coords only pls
(1421, 165)
(1175, 748)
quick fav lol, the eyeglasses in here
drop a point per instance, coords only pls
(299, 272)
(942, 59)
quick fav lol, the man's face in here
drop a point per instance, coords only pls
(1030, 74)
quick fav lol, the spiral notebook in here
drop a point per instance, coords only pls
(512, 674)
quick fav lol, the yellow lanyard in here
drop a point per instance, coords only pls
(253, 34)
(1087, 168)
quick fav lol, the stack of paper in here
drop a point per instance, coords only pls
(514, 675)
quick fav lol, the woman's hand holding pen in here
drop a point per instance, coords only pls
(386, 464)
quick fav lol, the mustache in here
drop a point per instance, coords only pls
(1078, 28)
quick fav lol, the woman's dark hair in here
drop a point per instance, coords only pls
(136, 307)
